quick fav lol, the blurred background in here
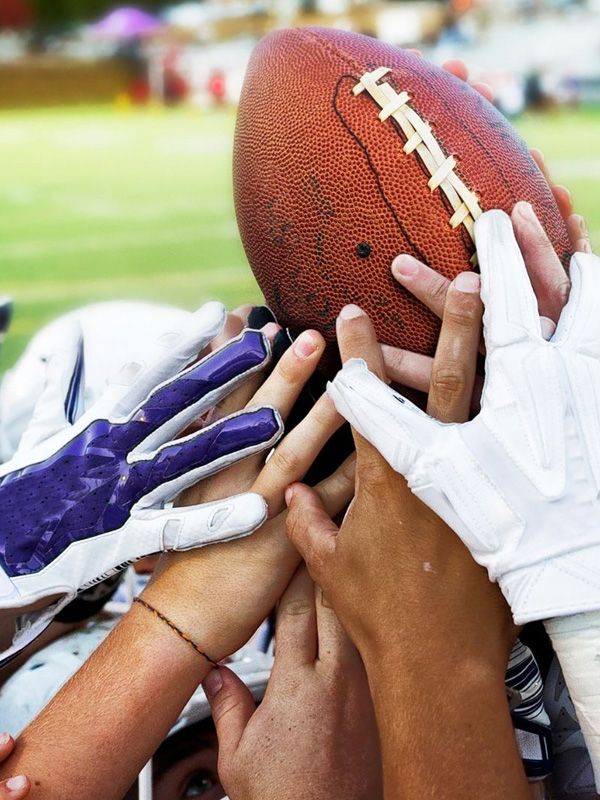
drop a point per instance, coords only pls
(116, 127)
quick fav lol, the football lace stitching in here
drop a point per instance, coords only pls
(420, 138)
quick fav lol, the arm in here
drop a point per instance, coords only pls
(433, 632)
(133, 687)
(314, 735)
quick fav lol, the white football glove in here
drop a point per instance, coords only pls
(114, 333)
(520, 482)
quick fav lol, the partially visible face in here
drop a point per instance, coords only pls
(185, 766)
(193, 776)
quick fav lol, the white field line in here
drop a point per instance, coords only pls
(106, 242)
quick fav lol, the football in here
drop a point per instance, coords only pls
(349, 152)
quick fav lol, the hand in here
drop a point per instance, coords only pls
(18, 786)
(411, 541)
(548, 278)
(314, 735)
(407, 591)
(105, 479)
(238, 583)
(537, 401)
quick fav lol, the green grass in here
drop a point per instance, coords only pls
(98, 204)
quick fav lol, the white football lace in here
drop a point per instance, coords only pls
(420, 139)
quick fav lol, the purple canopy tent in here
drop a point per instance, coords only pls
(126, 23)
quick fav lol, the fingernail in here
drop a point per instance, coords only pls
(581, 224)
(526, 212)
(584, 246)
(17, 783)
(565, 189)
(404, 267)
(540, 153)
(4, 739)
(289, 494)
(351, 312)
(213, 683)
(305, 345)
(270, 330)
(468, 282)
(548, 327)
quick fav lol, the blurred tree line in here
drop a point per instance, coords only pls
(58, 14)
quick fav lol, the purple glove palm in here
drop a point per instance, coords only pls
(91, 498)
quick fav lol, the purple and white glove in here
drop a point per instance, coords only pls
(80, 501)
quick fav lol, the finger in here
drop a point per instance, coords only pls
(580, 322)
(357, 339)
(564, 200)
(170, 407)
(484, 89)
(283, 386)
(296, 453)
(172, 352)
(540, 160)
(548, 277)
(337, 490)
(15, 788)
(7, 745)
(177, 465)
(311, 530)
(297, 364)
(548, 328)
(334, 646)
(232, 706)
(456, 67)
(396, 428)
(511, 309)
(579, 234)
(296, 631)
(243, 312)
(407, 368)
(183, 528)
(242, 394)
(233, 327)
(424, 283)
(455, 362)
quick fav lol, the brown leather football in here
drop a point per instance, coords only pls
(349, 152)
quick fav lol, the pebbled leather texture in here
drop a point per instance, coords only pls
(326, 197)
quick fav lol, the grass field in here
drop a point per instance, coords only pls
(97, 204)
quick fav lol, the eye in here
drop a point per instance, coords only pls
(199, 784)
(363, 250)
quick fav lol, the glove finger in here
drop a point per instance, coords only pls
(182, 463)
(196, 526)
(511, 311)
(393, 425)
(579, 323)
(172, 406)
(172, 352)
(61, 400)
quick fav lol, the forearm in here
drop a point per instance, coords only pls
(101, 728)
(444, 727)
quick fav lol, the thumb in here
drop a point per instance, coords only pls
(15, 788)
(310, 529)
(232, 707)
